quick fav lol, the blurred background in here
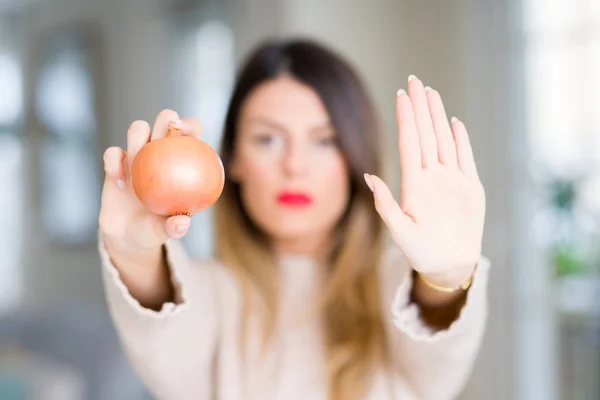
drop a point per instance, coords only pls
(522, 74)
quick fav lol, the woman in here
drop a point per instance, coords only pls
(296, 305)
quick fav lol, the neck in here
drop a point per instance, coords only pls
(314, 247)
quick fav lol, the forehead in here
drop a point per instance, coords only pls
(285, 101)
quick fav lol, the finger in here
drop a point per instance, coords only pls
(161, 124)
(137, 136)
(188, 126)
(113, 165)
(399, 224)
(408, 137)
(464, 152)
(423, 121)
(156, 229)
(177, 226)
(443, 133)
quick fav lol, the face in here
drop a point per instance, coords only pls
(293, 178)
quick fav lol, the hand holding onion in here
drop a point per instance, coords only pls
(166, 175)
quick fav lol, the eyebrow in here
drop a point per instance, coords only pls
(266, 121)
(275, 125)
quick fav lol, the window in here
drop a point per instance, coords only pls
(65, 106)
(562, 53)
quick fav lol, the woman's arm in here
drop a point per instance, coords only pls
(145, 274)
(439, 225)
(170, 339)
(434, 347)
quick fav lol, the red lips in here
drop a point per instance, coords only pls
(294, 199)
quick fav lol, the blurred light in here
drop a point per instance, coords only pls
(71, 192)
(65, 96)
(578, 295)
(590, 194)
(213, 76)
(559, 14)
(554, 121)
(11, 88)
(11, 222)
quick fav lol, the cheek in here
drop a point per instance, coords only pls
(258, 175)
(259, 184)
(332, 186)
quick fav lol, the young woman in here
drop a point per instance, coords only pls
(304, 300)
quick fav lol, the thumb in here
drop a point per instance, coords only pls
(177, 226)
(155, 230)
(399, 224)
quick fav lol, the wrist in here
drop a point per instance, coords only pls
(138, 259)
(456, 279)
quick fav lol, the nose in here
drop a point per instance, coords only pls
(295, 161)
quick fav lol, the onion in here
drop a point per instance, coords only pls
(177, 175)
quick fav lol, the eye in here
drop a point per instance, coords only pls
(328, 141)
(268, 140)
(264, 139)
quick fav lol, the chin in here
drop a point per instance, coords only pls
(298, 225)
(295, 229)
(291, 231)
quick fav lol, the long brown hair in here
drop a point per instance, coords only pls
(350, 305)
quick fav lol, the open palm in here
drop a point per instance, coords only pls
(439, 221)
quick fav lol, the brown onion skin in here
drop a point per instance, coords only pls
(177, 175)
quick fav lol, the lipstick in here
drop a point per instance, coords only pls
(294, 199)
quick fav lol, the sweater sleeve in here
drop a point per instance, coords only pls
(436, 364)
(172, 350)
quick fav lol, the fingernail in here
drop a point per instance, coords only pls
(401, 92)
(427, 88)
(369, 182)
(454, 119)
(177, 125)
(120, 183)
(181, 228)
(411, 77)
